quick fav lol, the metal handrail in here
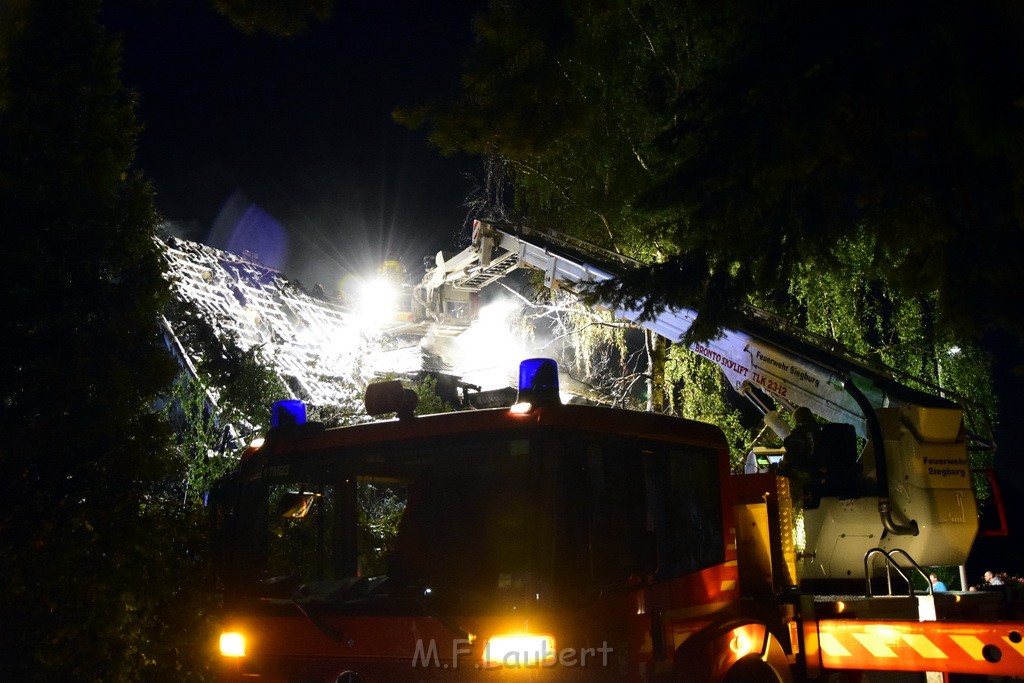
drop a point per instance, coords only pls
(890, 564)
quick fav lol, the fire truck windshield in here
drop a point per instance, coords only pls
(476, 524)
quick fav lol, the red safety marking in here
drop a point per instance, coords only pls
(994, 648)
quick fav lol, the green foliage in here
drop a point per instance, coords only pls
(98, 559)
(430, 400)
(816, 123)
(282, 18)
(558, 92)
(865, 313)
(731, 144)
(204, 448)
(700, 394)
(218, 410)
(593, 348)
(580, 334)
(243, 380)
(380, 511)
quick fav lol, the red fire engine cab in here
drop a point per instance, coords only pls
(572, 541)
(548, 542)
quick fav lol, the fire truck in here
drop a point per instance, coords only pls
(549, 540)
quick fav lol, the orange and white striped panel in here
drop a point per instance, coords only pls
(729, 576)
(989, 648)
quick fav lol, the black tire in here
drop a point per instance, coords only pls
(751, 669)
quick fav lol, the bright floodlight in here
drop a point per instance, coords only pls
(378, 300)
(378, 293)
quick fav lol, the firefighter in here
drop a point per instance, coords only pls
(799, 463)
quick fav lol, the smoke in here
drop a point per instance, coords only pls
(488, 353)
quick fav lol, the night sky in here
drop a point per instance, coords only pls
(285, 147)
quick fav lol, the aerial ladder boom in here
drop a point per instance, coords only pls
(914, 473)
(796, 367)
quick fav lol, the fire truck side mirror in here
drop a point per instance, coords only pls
(294, 505)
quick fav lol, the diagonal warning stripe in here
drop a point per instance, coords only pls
(969, 644)
(1016, 643)
(831, 646)
(923, 646)
(986, 648)
(875, 644)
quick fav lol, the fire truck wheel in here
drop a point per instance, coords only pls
(751, 669)
(703, 655)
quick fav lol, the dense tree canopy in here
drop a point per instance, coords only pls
(98, 558)
(276, 17)
(899, 126)
(736, 141)
(557, 102)
(102, 536)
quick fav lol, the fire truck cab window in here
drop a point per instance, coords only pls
(650, 509)
(554, 517)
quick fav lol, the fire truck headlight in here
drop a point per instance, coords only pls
(232, 644)
(519, 650)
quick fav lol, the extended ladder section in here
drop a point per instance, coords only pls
(797, 367)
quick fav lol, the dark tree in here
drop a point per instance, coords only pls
(277, 17)
(738, 143)
(88, 551)
(894, 126)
